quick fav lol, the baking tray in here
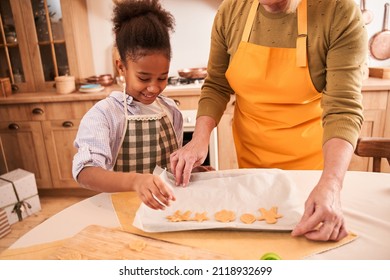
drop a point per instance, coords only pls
(241, 193)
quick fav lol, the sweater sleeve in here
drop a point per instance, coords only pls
(216, 90)
(345, 60)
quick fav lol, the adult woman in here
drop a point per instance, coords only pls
(296, 69)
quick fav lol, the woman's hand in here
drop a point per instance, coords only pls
(323, 218)
(194, 152)
(152, 191)
(184, 160)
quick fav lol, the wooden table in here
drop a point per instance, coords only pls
(365, 200)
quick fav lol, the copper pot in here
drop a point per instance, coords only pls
(104, 80)
(367, 14)
(380, 41)
(93, 79)
(193, 73)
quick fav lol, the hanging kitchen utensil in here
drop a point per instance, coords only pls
(367, 14)
(380, 42)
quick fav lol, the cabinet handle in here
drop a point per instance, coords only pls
(13, 126)
(177, 102)
(67, 124)
(37, 111)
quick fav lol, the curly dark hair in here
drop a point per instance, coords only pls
(141, 27)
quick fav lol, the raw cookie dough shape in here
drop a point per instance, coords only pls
(179, 217)
(247, 218)
(200, 217)
(270, 216)
(137, 245)
(225, 216)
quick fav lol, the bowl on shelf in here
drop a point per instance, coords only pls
(193, 73)
(104, 80)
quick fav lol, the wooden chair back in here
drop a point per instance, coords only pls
(376, 148)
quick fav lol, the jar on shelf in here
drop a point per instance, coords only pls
(10, 37)
(18, 77)
(65, 84)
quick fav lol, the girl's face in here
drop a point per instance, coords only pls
(147, 77)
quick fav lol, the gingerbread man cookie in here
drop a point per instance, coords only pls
(270, 216)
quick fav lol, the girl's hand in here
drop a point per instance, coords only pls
(152, 191)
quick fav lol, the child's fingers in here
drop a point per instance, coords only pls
(164, 189)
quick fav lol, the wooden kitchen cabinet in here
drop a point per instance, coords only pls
(22, 146)
(38, 137)
(59, 137)
(42, 39)
(376, 103)
(186, 98)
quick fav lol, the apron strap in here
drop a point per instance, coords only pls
(124, 100)
(125, 123)
(302, 34)
(249, 21)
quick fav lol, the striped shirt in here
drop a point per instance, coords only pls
(98, 139)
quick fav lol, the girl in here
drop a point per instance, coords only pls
(123, 137)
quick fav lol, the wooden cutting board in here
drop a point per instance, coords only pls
(100, 243)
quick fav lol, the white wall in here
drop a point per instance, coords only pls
(100, 26)
(190, 42)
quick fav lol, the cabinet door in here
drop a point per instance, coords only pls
(186, 99)
(59, 137)
(22, 146)
(14, 47)
(227, 152)
(52, 37)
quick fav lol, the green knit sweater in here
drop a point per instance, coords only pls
(337, 52)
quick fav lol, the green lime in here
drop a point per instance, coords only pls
(270, 256)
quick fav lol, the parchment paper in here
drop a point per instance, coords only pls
(214, 191)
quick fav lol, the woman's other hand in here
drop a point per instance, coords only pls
(323, 217)
(187, 159)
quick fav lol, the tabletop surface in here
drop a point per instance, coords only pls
(365, 200)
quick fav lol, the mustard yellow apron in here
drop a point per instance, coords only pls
(277, 117)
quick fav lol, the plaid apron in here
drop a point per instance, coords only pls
(148, 141)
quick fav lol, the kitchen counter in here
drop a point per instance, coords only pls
(47, 97)
(375, 84)
(371, 84)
